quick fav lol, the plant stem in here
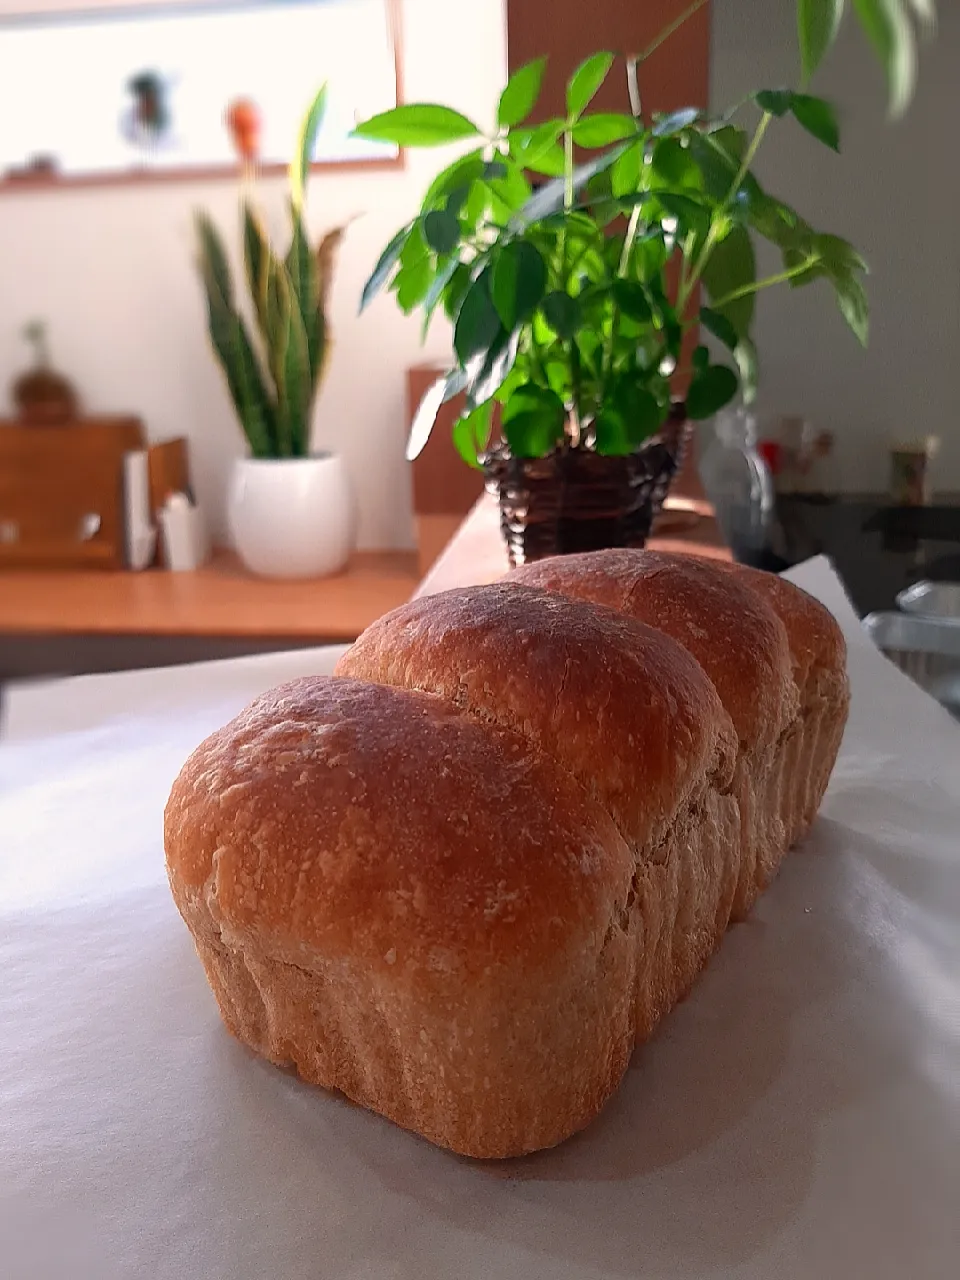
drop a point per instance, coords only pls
(629, 239)
(668, 31)
(633, 89)
(577, 389)
(711, 237)
(536, 358)
(568, 170)
(780, 278)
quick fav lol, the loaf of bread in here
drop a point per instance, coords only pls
(463, 878)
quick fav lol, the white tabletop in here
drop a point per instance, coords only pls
(798, 1116)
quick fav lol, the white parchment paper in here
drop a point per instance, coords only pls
(798, 1116)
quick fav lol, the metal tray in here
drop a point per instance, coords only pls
(932, 599)
(926, 649)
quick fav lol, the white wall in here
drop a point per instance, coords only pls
(895, 192)
(111, 270)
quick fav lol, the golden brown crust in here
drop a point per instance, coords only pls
(624, 709)
(462, 893)
(391, 896)
(816, 642)
(734, 635)
(777, 658)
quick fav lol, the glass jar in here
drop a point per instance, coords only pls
(738, 482)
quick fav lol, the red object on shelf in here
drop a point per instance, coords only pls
(771, 451)
(244, 121)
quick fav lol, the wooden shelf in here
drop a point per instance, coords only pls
(220, 600)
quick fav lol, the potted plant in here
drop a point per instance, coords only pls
(575, 305)
(290, 507)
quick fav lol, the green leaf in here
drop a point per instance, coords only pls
(720, 327)
(638, 407)
(306, 145)
(441, 230)
(445, 388)
(304, 273)
(745, 354)
(649, 256)
(251, 398)
(854, 307)
(412, 284)
(533, 419)
(412, 281)
(630, 414)
(701, 359)
(461, 172)
(232, 346)
(889, 31)
(817, 25)
(818, 117)
(625, 173)
(632, 300)
(257, 257)
(477, 323)
(710, 390)
(562, 313)
(471, 433)
(518, 282)
(691, 215)
(838, 254)
(585, 82)
(289, 364)
(438, 285)
(385, 264)
(475, 209)
(841, 263)
(295, 386)
(520, 96)
(550, 163)
(610, 429)
(213, 258)
(673, 165)
(420, 124)
(604, 127)
(509, 192)
(718, 156)
(482, 421)
(676, 121)
(529, 146)
(456, 290)
(731, 266)
(777, 102)
(497, 364)
(774, 220)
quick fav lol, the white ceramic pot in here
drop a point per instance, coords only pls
(291, 517)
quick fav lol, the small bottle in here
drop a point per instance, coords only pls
(738, 483)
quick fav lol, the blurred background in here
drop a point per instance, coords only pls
(116, 129)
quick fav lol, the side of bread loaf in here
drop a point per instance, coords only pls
(818, 653)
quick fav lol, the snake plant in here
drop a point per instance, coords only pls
(273, 377)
